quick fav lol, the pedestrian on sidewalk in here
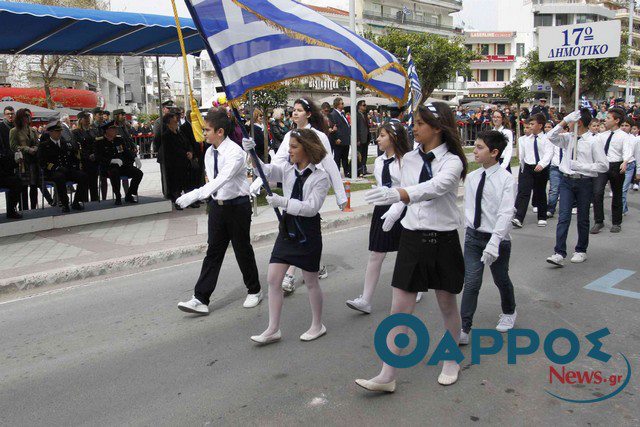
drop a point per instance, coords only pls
(535, 154)
(394, 143)
(489, 195)
(429, 253)
(229, 214)
(619, 152)
(299, 241)
(579, 167)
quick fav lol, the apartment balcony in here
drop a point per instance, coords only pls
(406, 22)
(589, 7)
(450, 5)
(494, 59)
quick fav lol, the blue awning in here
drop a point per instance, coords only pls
(34, 29)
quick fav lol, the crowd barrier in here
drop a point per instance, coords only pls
(144, 142)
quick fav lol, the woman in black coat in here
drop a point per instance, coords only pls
(177, 157)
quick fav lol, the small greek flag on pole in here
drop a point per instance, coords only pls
(415, 92)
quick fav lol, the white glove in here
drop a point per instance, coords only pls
(18, 156)
(277, 201)
(490, 254)
(255, 186)
(382, 196)
(138, 162)
(116, 162)
(187, 199)
(391, 216)
(572, 117)
(248, 144)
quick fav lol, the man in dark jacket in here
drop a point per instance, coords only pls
(84, 139)
(340, 139)
(542, 107)
(7, 123)
(363, 137)
(8, 177)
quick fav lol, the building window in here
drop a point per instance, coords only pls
(519, 49)
(542, 20)
(500, 49)
(582, 18)
(484, 49)
(562, 19)
(484, 75)
(468, 46)
(500, 75)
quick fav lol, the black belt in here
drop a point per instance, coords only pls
(479, 234)
(231, 202)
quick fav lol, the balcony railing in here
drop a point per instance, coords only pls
(390, 19)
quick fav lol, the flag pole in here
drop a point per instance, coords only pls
(354, 109)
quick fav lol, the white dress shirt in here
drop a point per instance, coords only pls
(314, 190)
(327, 164)
(527, 153)
(432, 204)
(498, 199)
(636, 155)
(620, 149)
(507, 153)
(394, 170)
(633, 142)
(231, 181)
(555, 160)
(590, 159)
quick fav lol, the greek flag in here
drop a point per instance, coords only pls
(406, 11)
(256, 43)
(416, 89)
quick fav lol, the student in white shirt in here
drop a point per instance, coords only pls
(631, 163)
(393, 141)
(429, 254)
(535, 154)
(489, 195)
(619, 153)
(306, 115)
(579, 167)
(299, 242)
(501, 124)
(229, 214)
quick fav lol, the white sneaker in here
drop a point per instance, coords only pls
(535, 210)
(359, 304)
(252, 300)
(323, 273)
(419, 297)
(579, 257)
(193, 306)
(506, 322)
(464, 338)
(556, 259)
(516, 223)
(636, 187)
(574, 211)
(549, 215)
(288, 284)
(542, 223)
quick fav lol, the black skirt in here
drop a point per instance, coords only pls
(302, 251)
(384, 241)
(429, 260)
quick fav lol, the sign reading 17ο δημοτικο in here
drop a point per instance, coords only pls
(580, 41)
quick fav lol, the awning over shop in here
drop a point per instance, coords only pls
(34, 29)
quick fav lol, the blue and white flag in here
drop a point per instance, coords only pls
(415, 92)
(256, 43)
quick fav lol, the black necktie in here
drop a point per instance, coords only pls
(427, 158)
(296, 192)
(535, 149)
(606, 146)
(561, 155)
(215, 167)
(386, 174)
(477, 219)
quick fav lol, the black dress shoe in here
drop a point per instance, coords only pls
(13, 215)
(118, 201)
(130, 199)
(77, 206)
(177, 206)
(65, 209)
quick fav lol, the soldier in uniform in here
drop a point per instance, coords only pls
(60, 162)
(124, 129)
(96, 126)
(117, 158)
(84, 138)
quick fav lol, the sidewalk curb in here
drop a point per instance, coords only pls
(79, 272)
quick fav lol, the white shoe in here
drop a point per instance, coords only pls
(252, 300)
(556, 259)
(464, 338)
(549, 215)
(448, 379)
(542, 223)
(288, 284)
(308, 337)
(535, 210)
(574, 211)
(516, 223)
(371, 386)
(506, 322)
(359, 304)
(323, 273)
(193, 306)
(636, 187)
(267, 339)
(419, 296)
(579, 257)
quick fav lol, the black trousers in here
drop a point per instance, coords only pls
(341, 156)
(615, 180)
(115, 173)
(529, 180)
(228, 224)
(14, 185)
(60, 179)
(92, 182)
(362, 161)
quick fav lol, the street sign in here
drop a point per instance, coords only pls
(580, 41)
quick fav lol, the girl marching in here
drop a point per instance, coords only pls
(393, 141)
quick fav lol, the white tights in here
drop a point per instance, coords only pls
(372, 274)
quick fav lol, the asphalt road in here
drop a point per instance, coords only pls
(117, 351)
